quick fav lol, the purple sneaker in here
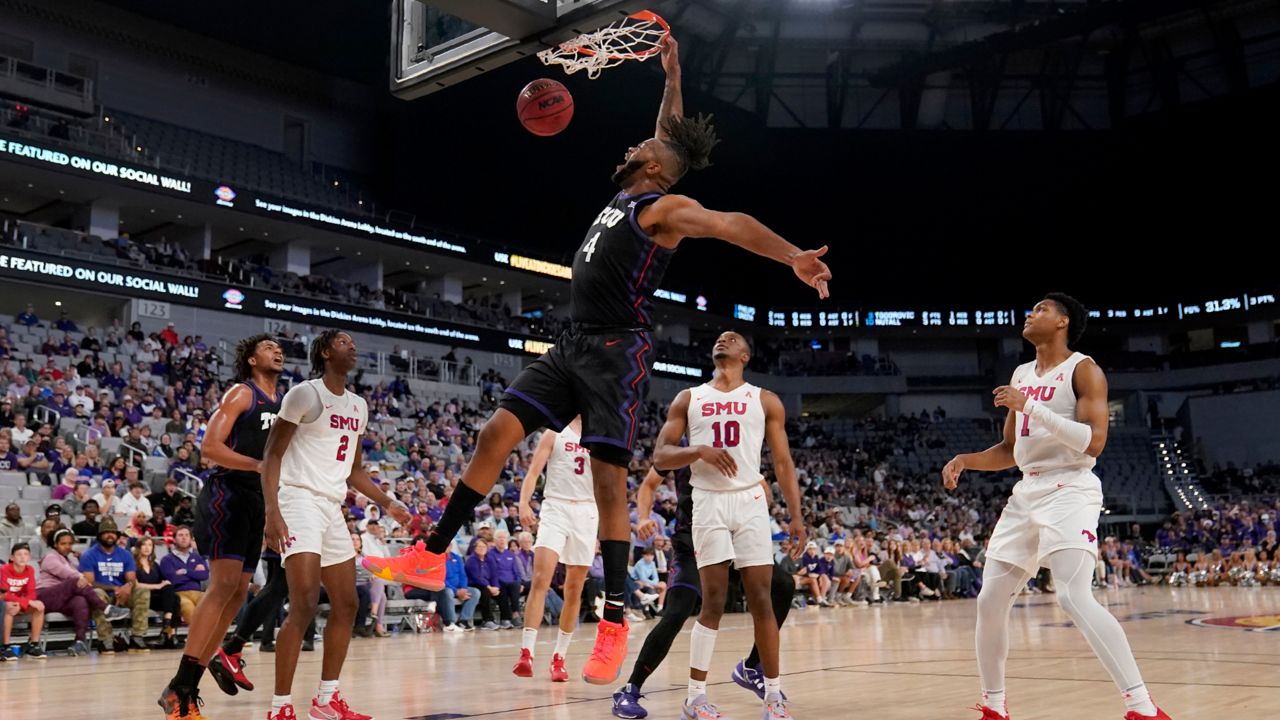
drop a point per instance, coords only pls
(751, 678)
(626, 704)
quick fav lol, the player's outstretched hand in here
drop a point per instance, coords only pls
(277, 532)
(1008, 396)
(812, 271)
(799, 536)
(720, 458)
(670, 55)
(399, 512)
(951, 473)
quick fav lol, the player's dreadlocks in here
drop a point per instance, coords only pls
(1077, 315)
(691, 139)
(245, 350)
(318, 346)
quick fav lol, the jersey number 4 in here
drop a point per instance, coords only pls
(728, 437)
(590, 247)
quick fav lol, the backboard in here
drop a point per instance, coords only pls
(439, 43)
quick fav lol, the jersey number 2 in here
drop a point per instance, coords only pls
(590, 247)
(580, 464)
(342, 447)
(730, 436)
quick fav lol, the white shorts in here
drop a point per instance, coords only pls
(569, 530)
(315, 526)
(732, 525)
(1048, 512)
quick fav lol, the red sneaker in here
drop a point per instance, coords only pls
(228, 672)
(337, 709)
(1135, 715)
(414, 566)
(558, 673)
(605, 665)
(284, 713)
(989, 714)
(524, 668)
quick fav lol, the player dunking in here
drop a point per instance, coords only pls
(683, 595)
(313, 454)
(229, 520)
(727, 421)
(1055, 430)
(600, 367)
(566, 533)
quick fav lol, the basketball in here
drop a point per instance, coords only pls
(544, 107)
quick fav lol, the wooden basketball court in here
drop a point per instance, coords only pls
(889, 663)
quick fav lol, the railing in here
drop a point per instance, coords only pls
(73, 87)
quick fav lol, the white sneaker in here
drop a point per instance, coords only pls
(633, 617)
(648, 598)
(927, 592)
(451, 628)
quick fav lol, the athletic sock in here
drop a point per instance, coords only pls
(772, 688)
(189, 673)
(279, 701)
(528, 638)
(328, 688)
(995, 700)
(562, 643)
(697, 688)
(1139, 699)
(234, 645)
(614, 555)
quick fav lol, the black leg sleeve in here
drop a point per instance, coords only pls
(681, 603)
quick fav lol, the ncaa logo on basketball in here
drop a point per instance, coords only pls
(234, 299)
(225, 196)
(1252, 623)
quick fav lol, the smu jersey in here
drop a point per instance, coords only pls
(249, 434)
(731, 420)
(569, 469)
(1034, 449)
(617, 268)
(320, 456)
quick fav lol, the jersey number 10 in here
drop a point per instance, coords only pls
(729, 437)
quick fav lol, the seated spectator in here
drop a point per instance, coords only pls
(107, 497)
(12, 526)
(113, 573)
(844, 579)
(64, 590)
(134, 502)
(645, 575)
(27, 317)
(18, 579)
(810, 576)
(505, 575)
(479, 573)
(88, 527)
(168, 498)
(163, 597)
(70, 476)
(8, 460)
(186, 570)
(458, 588)
(35, 463)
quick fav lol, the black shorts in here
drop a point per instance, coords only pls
(684, 564)
(602, 376)
(230, 517)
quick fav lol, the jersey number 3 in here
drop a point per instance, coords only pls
(580, 465)
(342, 447)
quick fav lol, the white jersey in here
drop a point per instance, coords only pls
(1034, 449)
(320, 456)
(733, 421)
(569, 469)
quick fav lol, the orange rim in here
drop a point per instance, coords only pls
(645, 16)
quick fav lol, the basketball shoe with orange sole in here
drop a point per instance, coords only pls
(605, 665)
(413, 566)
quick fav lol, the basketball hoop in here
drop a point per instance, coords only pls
(635, 37)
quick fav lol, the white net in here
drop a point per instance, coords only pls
(636, 37)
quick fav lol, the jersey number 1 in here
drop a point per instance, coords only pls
(342, 447)
(1026, 425)
(730, 436)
